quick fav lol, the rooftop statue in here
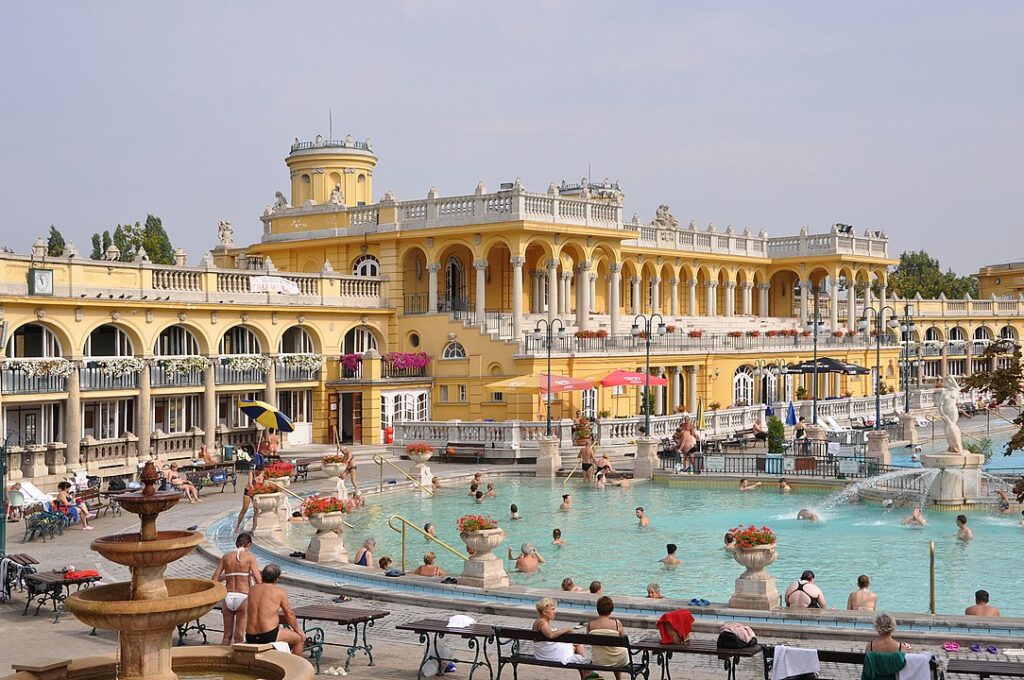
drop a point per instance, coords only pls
(663, 218)
(337, 197)
(225, 234)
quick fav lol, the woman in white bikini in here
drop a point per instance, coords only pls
(239, 570)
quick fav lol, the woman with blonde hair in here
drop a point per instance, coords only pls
(364, 558)
(548, 649)
(885, 626)
(428, 568)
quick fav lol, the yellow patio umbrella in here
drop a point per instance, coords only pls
(699, 422)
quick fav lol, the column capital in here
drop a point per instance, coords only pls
(566, 275)
(764, 286)
(634, 279)
(730, 284)
(593, 276)
(552, 264)
(711, 284)
(747, 286)
(434, 266)
(655, 280)
(480, 265)
(675, 370)
(674, 281)
(691, 283)
(583, 266)
(517, 260)
(614, 268)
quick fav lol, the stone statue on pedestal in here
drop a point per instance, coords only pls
(337, 197)
(226, 234)
(950, 414)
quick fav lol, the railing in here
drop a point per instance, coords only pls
(416, 303)
(832, 243)
(226, 375)
(176, 445)
(332, 144)
(390, 370)
(175, 279)
(494, 321)
(15, 381)
(681, 342)
(159, 376)
(95, 378)
(381, 461)
(404, 523)
(796, 464)
(287, 373)
(109, 453)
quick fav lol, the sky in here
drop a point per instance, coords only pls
(905, 117)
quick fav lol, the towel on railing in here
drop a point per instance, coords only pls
(791, 662)
(918, 667)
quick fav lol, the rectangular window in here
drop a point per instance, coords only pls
(462, 393)
(104, 420)
(956, 366)
(497, 396)
(298, 404)
(443, 394)
(228, 413)
(177, 415)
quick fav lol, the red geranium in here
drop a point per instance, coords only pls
(476, 523)
(750, 536)
(264, 488)
(319, 506)
(279, 469)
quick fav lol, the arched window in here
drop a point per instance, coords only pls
(366, 265)
(933, 334)
(33, 341)
(1008, 333)
(957, 333)
(358, 340)
(454, 350)
(240, 340)
(743, 386)
(982, 333)
(296, 340)
(108, 341)
(176, 341)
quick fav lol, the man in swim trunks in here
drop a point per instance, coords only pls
(267, 603)
(805, 594)
(1004, 502)
(236, 568)
(586, 456)
(916, 518)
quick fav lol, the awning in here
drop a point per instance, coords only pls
(540, 383)
(826, 365)
(619, 377)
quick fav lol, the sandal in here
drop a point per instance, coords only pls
(342, 598)
(992, 649)
(975, 647)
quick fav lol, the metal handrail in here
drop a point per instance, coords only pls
(301, 498)
(571, 472)
(406, 523)
(381, 461)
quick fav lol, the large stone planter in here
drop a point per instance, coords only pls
(337, 471)
(328, 545)
(265, 506)
(284, 482)
(483, 569)
(755, 588)
(418, 460)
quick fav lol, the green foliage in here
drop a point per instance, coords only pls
(55, 243)
(156, 242)
(919, 272)
(1004, 383)
(100, 245)
(983, 447)
(776, 435)
(130, 237)
(801, 392)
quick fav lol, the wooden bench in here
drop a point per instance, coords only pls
(984, 668)
(52, 587)
(213, 476)
(456, 451)
(663, 653)
(829, 656)
(478, 636)
(512, 638)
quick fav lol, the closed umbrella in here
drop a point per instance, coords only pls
(700, 423)
(791, 414)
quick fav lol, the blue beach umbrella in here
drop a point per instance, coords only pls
(266, 415)
(768, 412)
(791, 414)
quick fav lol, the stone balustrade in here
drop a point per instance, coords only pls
(966, 307)
(871, 244)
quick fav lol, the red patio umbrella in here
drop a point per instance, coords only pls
(620, 377)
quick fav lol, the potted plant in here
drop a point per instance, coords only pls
(805, 334)
(481, 534)
(266, 498)
(280, 472)
(695, 333)
(735, 334)
(334, 464)
(581, 433)
(755, 550)
(670, 328)
(838, 334)
(714, 406)
(754, 333)
(327, 516)
(792, 332)
(801, 392)
(350, 364)
(771, 333)
(419, 453)
(604, 413)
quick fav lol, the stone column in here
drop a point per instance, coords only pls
(549, 459)
(944, 359)
(638, 305)
(270, 392)
(691, 405)
(881, 302)
(432, 270)
(851, 311)
(710, 298)
(73, 419)
(210, 405)
(805, 298)
(969, 357)
(517, 296)
(655, 295)
(675, 385)
(592, 307)
(583, 303)
(691, 298)
(552, 290)
(615, 274)
(535, 291)
(748, 299)
(646, 461)
(673, 303)
(481, 291)
(833, 308)
(659, 400)
(565, 303)
(144, 412)
(730, 299)
(878, 447)
(763, 300)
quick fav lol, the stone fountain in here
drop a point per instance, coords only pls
(146, 610)
(959, 477)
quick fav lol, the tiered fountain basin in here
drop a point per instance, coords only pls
(111, 607)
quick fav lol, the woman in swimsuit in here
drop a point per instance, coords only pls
(350, 469)
(805, 594)
(428, 568)
(885, 626)
(76, 511)
(180, 483)
(239, 570)
(364, 557)
(256, 476)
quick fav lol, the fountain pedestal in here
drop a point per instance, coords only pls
(646, 461)
(959, 476)
(549, 460)
(878, 447)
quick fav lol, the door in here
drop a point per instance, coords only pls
(350, 419)
(455, 285)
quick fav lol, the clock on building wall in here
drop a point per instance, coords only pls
(40, 282)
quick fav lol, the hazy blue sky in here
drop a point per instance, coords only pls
(902, 116)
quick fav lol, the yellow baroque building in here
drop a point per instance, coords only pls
(367, 319)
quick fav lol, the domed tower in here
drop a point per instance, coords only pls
(319, 166)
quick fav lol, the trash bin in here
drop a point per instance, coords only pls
(389, 435)
(228, 453)
(773, 464)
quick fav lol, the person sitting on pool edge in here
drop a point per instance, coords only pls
(862, 599)
(805, 594)
(428, 568)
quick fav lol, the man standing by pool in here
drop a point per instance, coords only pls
(267, 603)
(586, 456)
(644, 520)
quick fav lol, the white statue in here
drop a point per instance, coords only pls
(337, 197)
(664, 219)
(225, 234)
(950, 413)
(280, 202)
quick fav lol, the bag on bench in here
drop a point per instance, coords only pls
(218, 477)
(736, 636)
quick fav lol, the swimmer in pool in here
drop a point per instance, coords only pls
(747, 486)
(1004, 502)
(915, 519)
(644, 520)
(808, 514)
(964, 532)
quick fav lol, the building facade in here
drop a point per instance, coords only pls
(357, 315)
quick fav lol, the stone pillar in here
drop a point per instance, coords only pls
(881, 302)
(270, 392)
(583, 303)
(210, 405)
(833, 308)
(517, 296)
(730, 298)
(552, 290)
(878, 447)
(691, 298)
(565, 303)
(944, 359)
(613, 305)
(481, 291)
(710, 298)
(144, 412)
(691, 390)
(535, 291)
(748, 299)
(73, 419)
(549, 459)
(432, 270)
(909, 423)
(805, 298)
(969, 357)
(675, 384)
(763, 300)
(646, 461)
(592, 307)
(638, 305)
(673, 303)
(851, 310)
(655, 295)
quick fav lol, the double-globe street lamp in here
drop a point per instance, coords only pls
(546, 330)
(879, 315)
(643, 325)
(814, 324)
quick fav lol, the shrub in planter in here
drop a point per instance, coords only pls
(279, 469)
(322, 505)
(771, 334)
(264, 488)
(735, 334)
(776, 435)
(838, 334)
(695, 333)
(754, 334)
(419, 447)
(801, 392)
(714, 406)
(792, 332)
(350, 362)
(469, 523)
(751, 536)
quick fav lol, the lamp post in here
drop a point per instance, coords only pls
(814, 324)
(546, 329)
(907, 329)
(894, 323)
(646, 323)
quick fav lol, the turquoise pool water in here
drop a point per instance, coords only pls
(901, 454)
(603, 542)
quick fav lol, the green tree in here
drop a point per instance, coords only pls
(55, 243)
(128, 238)
(100, 243)
(156, 242)
(919, 272)
(776, 435)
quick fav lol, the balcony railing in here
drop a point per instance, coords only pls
(390, 370)
(416, 303)
(159, 376)
(683, 343)
(95, 378)
(287, 373)
(228, 375)
(18, 382)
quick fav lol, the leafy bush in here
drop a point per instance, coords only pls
(776, 435)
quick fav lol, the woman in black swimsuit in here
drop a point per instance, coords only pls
(256, 476)
(811, 596)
